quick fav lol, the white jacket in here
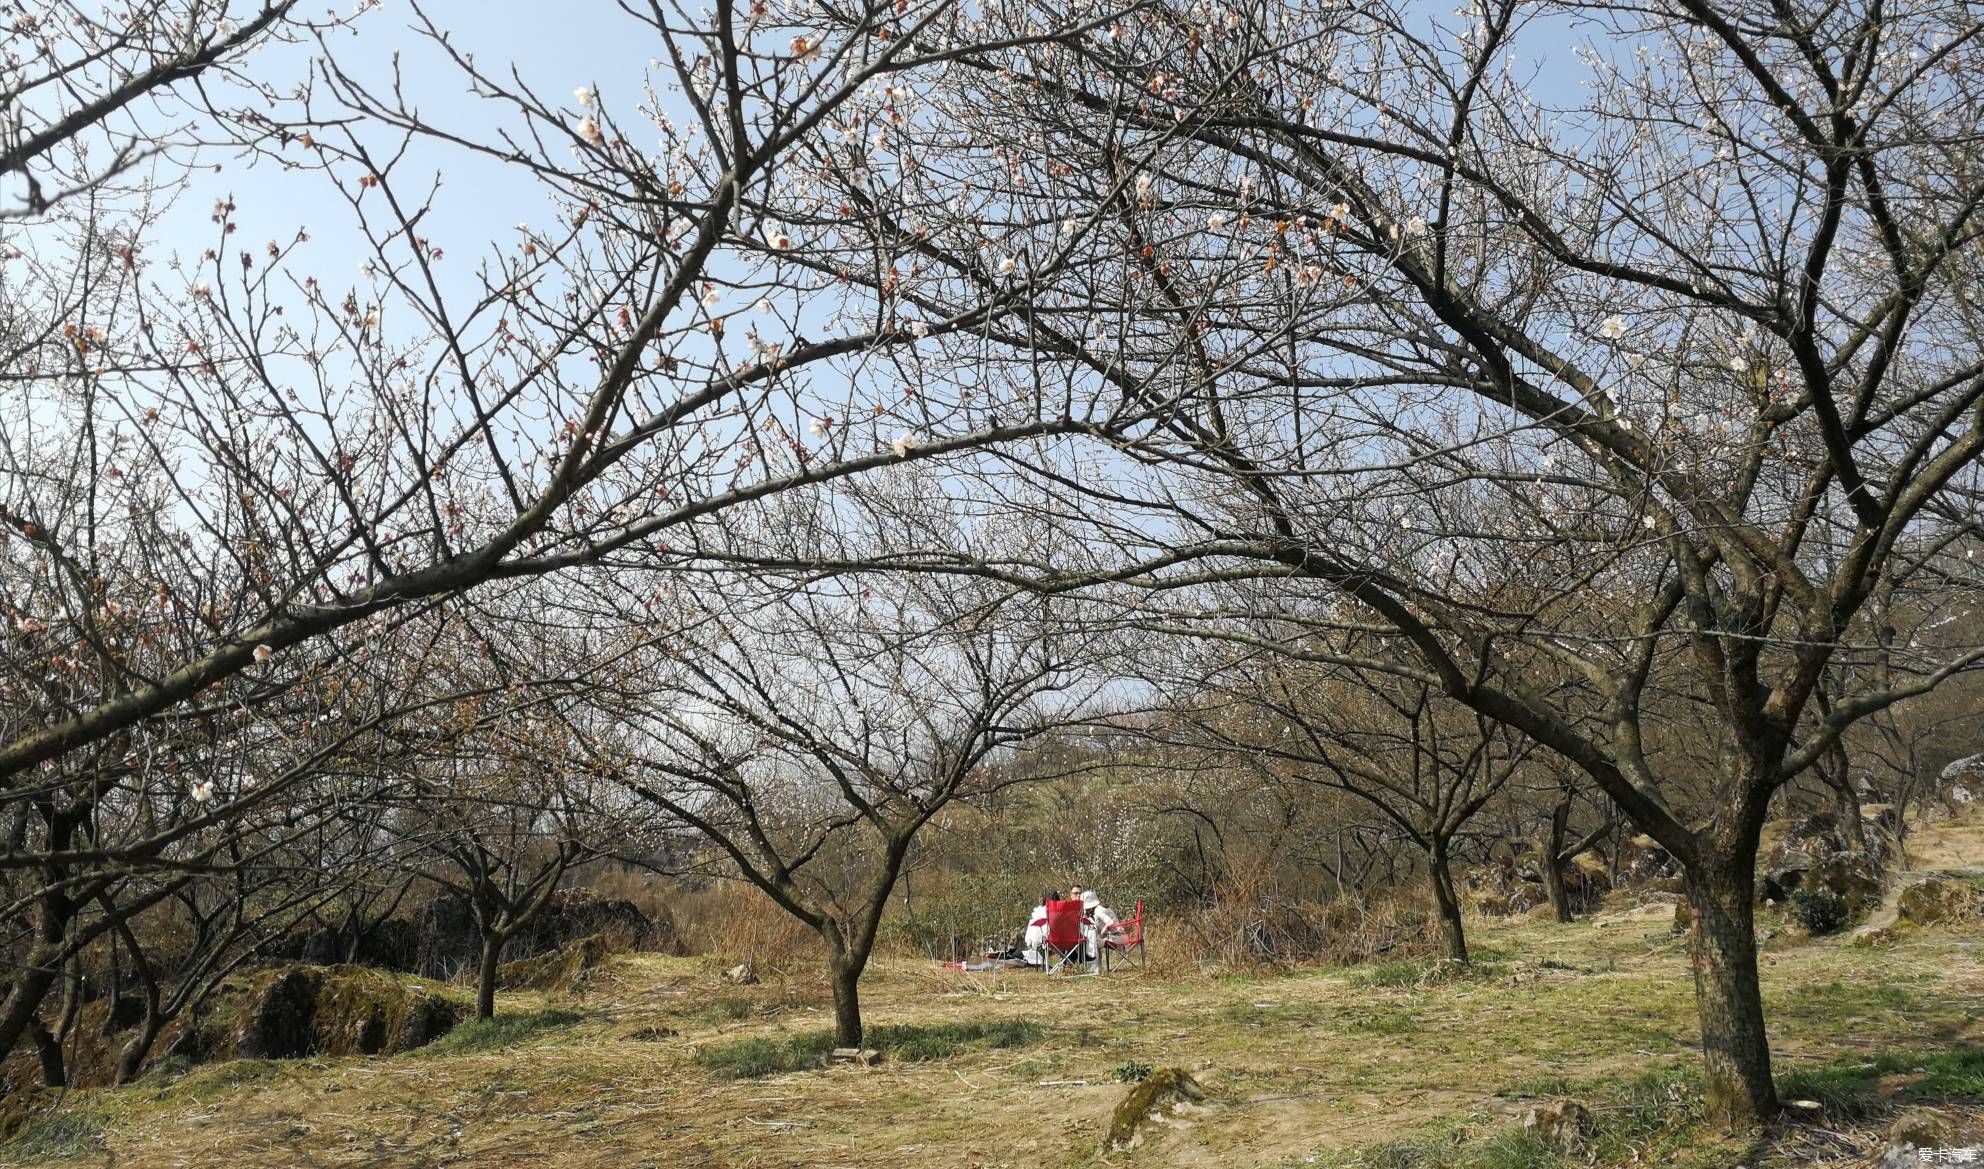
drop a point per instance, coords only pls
(1036, 933)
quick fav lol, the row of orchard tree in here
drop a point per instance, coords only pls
(1324, 387)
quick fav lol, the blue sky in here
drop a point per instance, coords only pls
(555, 47)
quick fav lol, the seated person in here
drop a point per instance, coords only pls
(1036, 930)
(1100, 918)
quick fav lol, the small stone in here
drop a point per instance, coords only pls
(742, 974)
(1922, 1128)
(1565, 1125)
(865, 1056)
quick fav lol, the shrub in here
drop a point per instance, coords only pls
(1132, 1072)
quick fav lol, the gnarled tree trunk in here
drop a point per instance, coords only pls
(1728, 996)
(1446, 900)
(1550, 859)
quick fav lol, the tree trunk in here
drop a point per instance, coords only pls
(1852, 827)
(1552, 862)
(485, 986)
(132, 1057)
(1453, 936)
(115, 989)
(25, 997)
(1735, 1048)
(847, 1002)
(53, 1072)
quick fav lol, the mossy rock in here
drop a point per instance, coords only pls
(1936, 900)
(336, 1010)
(561, 969)
(1160, 1095)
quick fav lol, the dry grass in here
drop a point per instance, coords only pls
(1301, 1062)
(1307, 1065)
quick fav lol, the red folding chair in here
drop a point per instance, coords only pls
(1126, 936)
(1065, 940)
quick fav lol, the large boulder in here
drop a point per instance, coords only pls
(297, 1011)
(1854, 878)
(1642, 859)
(1936, 900)
(446, 942)
(575, 914)
(393, 944)
(1511, 883)
(1814, 856)
(1959, 786)
(561, 969)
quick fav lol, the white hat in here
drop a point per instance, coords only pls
(1089, 897)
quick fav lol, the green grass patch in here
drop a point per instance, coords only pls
(1418, 973)
(1852, 1089)
(161, 1072)
(730, 1009)
(501, 1031)
(1825, 1002)
(746, 1059)
(56, 1136)
(1654, 1119)
(205, 1082)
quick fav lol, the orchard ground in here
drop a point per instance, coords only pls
(658, 1062)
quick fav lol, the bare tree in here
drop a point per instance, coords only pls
(810, 733)
(1422, 762)
(1546, 391)
(225, 477)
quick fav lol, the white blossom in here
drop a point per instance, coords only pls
(902, 444)
(1613, 327)
(583, 96)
